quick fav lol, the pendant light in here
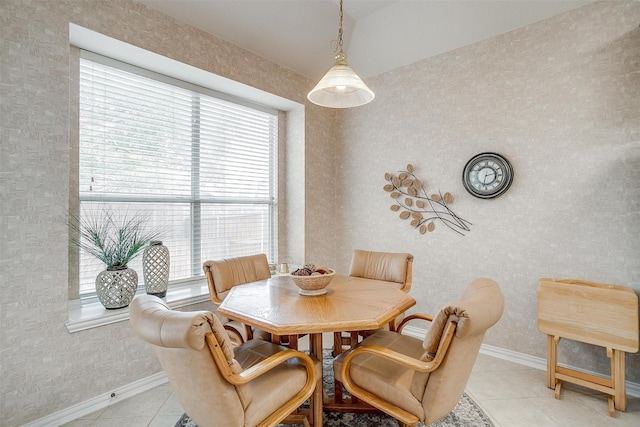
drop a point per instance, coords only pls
(340, 87)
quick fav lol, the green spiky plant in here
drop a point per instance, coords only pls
(113, 240)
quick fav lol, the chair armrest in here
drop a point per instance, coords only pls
(394, 356)
(259, 368)
(402, 359)
(271, 362)
(403, 323)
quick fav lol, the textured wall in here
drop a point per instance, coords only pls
(321, 168)
(561, 100)
(43, 368)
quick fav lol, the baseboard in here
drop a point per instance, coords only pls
(633, 389)
(100, 402)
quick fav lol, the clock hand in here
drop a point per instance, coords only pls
(488, 176)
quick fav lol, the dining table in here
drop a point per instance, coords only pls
(276, 306)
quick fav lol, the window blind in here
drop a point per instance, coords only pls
(202, 168)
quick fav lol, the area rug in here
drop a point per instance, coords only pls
(467, 413)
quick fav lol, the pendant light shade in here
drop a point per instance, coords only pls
(341, 87)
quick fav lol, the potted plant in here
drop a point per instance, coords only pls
(115, 240)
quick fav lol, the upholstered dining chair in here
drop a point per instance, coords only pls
(224, 274)
(395, 268)
(417, 380)
(257, 383)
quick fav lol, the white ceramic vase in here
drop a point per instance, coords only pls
(116, 287)
(155, 268)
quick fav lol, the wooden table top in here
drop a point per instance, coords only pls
(350, 304)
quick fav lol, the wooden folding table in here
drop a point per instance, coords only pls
(594, 313)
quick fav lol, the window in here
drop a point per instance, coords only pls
(202, 165)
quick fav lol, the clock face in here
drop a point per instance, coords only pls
(487, 175)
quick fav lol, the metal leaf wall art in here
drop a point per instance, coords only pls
(413, 203)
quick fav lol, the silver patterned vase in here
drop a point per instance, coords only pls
(116, 286)
(155, 268)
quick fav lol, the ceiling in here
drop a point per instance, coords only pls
(379, 35)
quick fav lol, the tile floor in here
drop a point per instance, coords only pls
(512, 395)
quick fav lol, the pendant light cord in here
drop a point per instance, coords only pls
(337, 44)
(340, 27)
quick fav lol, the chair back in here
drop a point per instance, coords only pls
(480, 307)
(178, 340)
(386, 266)
(222, 275)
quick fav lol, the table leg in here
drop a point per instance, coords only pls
(315, 348)
(338, 388)
(293, 342)
(617, 374)
(315, 345)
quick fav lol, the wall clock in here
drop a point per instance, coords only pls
(487, 175)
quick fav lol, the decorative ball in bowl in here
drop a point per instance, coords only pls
(312, 280)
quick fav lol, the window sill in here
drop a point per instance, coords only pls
(88, 315)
